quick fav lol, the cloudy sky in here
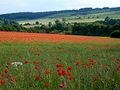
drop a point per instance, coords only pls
(10, 6)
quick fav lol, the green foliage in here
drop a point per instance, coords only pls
(110, 21)
(37, 23)
(27, 24)
(98, 28)
(17, 28)
(115, 34)
(7, 22)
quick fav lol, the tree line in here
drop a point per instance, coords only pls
(98, 28)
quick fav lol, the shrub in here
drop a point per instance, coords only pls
(115, 34)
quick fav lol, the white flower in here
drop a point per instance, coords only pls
(17, 64)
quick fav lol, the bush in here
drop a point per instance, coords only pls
(115, 34)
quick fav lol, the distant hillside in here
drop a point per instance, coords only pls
(4, 22)
(53, 14)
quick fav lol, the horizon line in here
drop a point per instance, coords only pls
(56, 10)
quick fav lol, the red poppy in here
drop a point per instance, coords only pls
(77, 63)
(26, 61)
(37, 77)
(58, 69)
(35, 62)
(36, 67)
(60, 73)
(8, 76)
(71, 78)
(45, 60)
(1, 75)
(64, 72)
(94, 78)
(92, 61)
(2, 82)
(6, 71)
(47, 72)
(69, 74)
(8, 63)
(59, 65)
(46, 85)
(69, 68)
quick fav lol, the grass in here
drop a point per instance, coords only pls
(66, 62)
(101, 73)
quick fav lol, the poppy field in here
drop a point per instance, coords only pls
(30, 61)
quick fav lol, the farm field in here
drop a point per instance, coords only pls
(72, 19)
(32, 61)
(45, 21)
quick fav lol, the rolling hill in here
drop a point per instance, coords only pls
(58, 14)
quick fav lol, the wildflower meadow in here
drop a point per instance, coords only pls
(58, 62)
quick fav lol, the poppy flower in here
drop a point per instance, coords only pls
(36, 67)
(47, 72)
(71, 78)
(94, 78)
(58, 69)
(8, 76)
(2, 82)
(92, 61)
(6, 71)
(35, 62)
(69, 68)
(8, 63)
(77, 63)
(45, 60)
(59, 65)
(64, 72)
(69, 74)
(60, 73)
(46, 85)
(26, 61)
(37, 77)
(1, 75)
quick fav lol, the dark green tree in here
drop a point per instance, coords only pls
(37, 23)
